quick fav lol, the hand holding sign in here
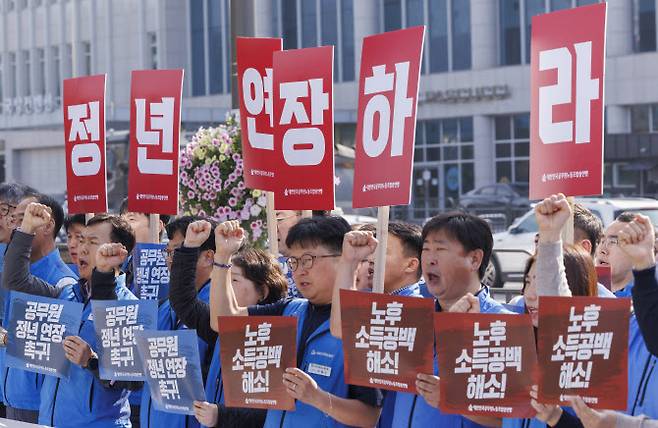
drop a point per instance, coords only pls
(469, 304)
(591, 418)
(206, 413)
(303, 387)
(548, 413)
(77, 351)
(637, 240)
(428, 388)
(196, 234)
(551, 214)
(357, 246)
(36, 216)
(110, 256)
(228, 238)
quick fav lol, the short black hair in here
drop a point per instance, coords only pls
(626, 217)
(13, 193)
(180, 224)
(72, 219)
(408, 233)
(327, 231)
(123, 208)
(589, 224)
(56, 211)
(472, 232)
(122, 232)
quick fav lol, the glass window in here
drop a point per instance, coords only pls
(522, 149)
(56, 70)
(86, 60)
(415, 13)
(347, 24)
(503, 171)
(153, 49)
(449, 131)
(468, 177)
(41, 72)
(467, 152)
(289, 24)
(640, 119)
(438, 23)
(215, 47)
(625, 177)
(607, 175)
(433, 154)
(461, 34)
(502, 124)
(532, 8)
(586, 2)
(521, 171)
(392, 15)
(522, 126)
(560, 4)
(503, 150)
(198, 48)
(654, 118)
(433, 131)
(27, 86)
(309, 27)
(645, 25)
(510, 32)
(330, 27)
(466, 129)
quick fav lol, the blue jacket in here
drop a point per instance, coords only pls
(626, 291)
(82, 400)
(386, 417)
(214, 384)
(21, 388)
(149, 416)
(413, 411)
(324, 352)
(642, 375)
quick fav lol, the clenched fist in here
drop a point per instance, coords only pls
(36, 216)
(197, 233)
(228, 238)
(110, 256)
(357, 246)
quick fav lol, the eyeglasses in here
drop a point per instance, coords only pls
(306, 261)
(5, 208)
(611, 240)
(280, 219)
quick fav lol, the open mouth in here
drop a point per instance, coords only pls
(432, 277)
(602, 263)
(83, 264)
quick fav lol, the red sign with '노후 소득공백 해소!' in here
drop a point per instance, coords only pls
(255, 83)
(386, 121)
(385, 340)
(566, 114)
(583, 350)
(255, 353)
(84, 136)
(304, 129)
(155, 116)
(487, 363)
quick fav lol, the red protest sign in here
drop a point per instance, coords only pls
(304, 129)
(84, 136)
(604, 276)
(566, 114)
(383, 343)
(583, 350)
(254, 353)
(386, 122)
(155, 114)
(254, 58)
(487, 363)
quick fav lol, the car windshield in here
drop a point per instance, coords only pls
(527, 225)
(652, 213)
(520, 189)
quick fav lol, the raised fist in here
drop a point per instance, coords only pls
(636, 239)
(197, 233)
(110, 256)
(228, 238)
(36, 216)
(551, 214)
(357, 246)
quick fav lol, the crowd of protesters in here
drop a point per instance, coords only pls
(214, 273)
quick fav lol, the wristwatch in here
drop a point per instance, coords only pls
(92, 364)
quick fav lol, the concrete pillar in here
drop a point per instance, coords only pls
(484, 38)
(483, 139)
(618, 119)
(366, 23)
(620, 27)
(263, 21)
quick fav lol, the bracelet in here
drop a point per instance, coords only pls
(222, 265)
(331, 407)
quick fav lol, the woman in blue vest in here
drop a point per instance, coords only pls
(257, 279)
(317, 382)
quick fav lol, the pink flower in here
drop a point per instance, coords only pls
(232, 202)
(190, 194)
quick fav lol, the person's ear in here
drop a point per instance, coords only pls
(476, 257)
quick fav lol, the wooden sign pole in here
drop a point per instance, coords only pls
(380, 252)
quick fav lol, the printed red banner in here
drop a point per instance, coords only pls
(155, 115)
(254, 57)
(84, 136)
(487, 363)
(304, 129)
(583, 350)
(255, 352)
(567, 66)
(385, 340)
(386, 121)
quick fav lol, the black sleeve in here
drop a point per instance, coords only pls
(271, 309)
(240, 417)
(103, 285)
(645, 302)
(371, 396)
(567, 420)
(191, 310)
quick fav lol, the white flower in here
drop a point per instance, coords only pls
(255, 210)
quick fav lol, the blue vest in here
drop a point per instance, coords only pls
(626, 291)
(81, 400)
(214, 384)
(21, 388)
(413, 411)
(323, 351)
(149, 416)
(642, 375)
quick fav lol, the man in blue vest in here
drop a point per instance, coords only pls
(401, 276)
(82, 399)
(22, 388)
(317, 383)
(73, 226)
(456, 251)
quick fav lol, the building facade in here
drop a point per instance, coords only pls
(473, 114)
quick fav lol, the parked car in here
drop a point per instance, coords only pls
(513, 247)
(495, 195)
